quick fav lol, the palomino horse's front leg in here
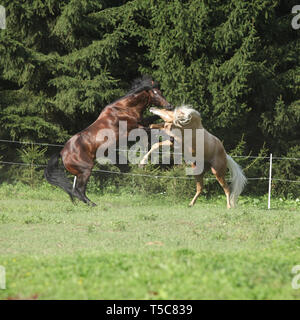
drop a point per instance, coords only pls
(157, 125)
(153, 148)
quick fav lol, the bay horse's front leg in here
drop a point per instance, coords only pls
(153, 148)
(145, 122)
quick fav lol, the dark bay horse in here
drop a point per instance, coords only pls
(79, 152)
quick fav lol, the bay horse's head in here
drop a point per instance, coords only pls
(158, 99)
(152, 88)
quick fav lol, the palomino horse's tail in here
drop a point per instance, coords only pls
(238, 180)
(56, 175)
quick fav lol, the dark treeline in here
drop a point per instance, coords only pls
(237, 62)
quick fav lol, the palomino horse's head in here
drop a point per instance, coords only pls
(166, 115)
(182, 117)
(187, 117)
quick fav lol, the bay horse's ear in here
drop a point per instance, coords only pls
(154, 84)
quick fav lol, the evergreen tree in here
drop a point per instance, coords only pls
(235, 61)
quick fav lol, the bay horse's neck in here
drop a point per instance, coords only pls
(137, 102)
(133, 103)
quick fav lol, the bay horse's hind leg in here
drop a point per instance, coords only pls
(199, 187)
(81, 183)
(75, 193)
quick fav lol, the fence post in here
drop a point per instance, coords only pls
(74, 183)
(270, 182)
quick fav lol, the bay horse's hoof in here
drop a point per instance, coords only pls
(92, 204)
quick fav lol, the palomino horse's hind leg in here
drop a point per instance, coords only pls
(199, 186)
(224, 185)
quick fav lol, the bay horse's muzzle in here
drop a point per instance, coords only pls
(169, 107)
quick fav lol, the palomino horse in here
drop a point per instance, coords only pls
(79, 152)
(215, 157)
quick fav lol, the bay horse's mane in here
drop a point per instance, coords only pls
(141, 84)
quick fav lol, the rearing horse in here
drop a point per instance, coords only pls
(79, 152)
(215, 156)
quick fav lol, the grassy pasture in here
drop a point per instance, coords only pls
(136, 247)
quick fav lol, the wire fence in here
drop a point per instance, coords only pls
(147, 175)
(269, 179)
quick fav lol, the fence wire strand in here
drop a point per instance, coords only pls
(144, 175)
(161, 152)
(140, 174)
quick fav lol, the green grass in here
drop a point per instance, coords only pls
(137, 247)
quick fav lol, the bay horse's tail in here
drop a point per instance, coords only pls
(56, 175)
(238, 180)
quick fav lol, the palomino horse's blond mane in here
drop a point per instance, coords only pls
(183, 115)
